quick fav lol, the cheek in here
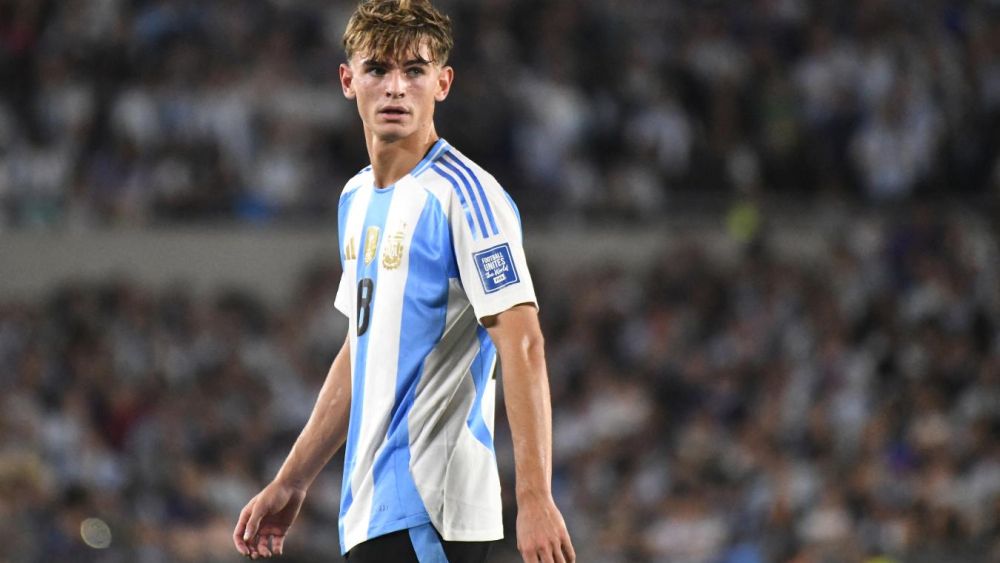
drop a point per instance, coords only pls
(366, 99)
(366, 89)
(424, 92)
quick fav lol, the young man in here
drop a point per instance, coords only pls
(436, 286)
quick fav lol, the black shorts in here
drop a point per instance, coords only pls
(421, 544)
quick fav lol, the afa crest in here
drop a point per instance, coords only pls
(392, 253)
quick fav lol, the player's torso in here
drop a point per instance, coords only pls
(422, 398)
(397, 247)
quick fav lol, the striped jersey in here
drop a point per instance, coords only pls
(424, 260)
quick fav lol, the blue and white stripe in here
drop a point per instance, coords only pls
(436, 151)
(463, 198)
(481, 194)
(470, 191)
(420, 442)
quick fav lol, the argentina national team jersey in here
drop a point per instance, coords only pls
(423, 260)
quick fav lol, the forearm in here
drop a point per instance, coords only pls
(326, 430)
(529, 413)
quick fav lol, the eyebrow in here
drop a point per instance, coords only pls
(411, 62)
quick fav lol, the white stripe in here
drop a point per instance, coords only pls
(446, 460)
(467, 180)
(355, 222)
(383, 358)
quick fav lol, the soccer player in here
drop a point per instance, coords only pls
(436, 287)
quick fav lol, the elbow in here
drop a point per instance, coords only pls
(533, 347)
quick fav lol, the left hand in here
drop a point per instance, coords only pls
(541, 532)
(265, 520)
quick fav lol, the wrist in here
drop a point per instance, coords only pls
(294, 482)
(533, 494)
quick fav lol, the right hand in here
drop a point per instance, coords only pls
(265, 520)
(541, 532)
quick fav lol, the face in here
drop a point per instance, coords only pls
(396, 98)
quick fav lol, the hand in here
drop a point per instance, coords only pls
(265, 520)
(541, 532)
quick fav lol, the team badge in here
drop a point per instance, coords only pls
(392, 254)
(371, 244)
(496, 268)
(350, 251)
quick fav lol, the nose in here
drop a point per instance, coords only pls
(395, 85)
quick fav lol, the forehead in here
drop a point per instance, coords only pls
(413, 52)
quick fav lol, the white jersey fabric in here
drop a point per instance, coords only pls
(423, 261)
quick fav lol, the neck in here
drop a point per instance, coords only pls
(393, 159)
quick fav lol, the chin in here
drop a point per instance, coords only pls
(393, 133)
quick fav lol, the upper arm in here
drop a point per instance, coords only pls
(487, 239)
(516, 331)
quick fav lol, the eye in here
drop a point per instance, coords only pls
(414, 71)
(376, 71)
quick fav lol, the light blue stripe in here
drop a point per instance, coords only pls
(482, 193)
(427, 545)
(480, 376)
(378, 209)
(461, 198)
(397, 503)
(439, 147)
(472, 194)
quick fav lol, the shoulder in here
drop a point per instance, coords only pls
(453, 176)
(356, 182)
(468, 167)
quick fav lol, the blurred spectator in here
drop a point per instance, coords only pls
(174, 110)
(759, 408)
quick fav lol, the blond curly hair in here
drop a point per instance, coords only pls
(389, 29)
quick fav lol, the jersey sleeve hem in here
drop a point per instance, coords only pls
(510, 300)
(484, 534)
(342, 301)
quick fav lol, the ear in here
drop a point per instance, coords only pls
(444, 80)
(347, 81)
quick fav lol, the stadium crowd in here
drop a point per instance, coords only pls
(844, 408)
(139, 111)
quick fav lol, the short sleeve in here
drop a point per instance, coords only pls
(342, 301)
(488, 241)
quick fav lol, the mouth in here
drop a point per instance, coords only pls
(393, 111)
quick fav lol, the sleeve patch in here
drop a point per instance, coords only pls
(496, 268)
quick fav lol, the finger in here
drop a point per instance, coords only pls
(241, 525)
(253, 522)
(567, 549)
(279, 545)
(557, 553)
(263, 545)
(537, 555)
(240, 547)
